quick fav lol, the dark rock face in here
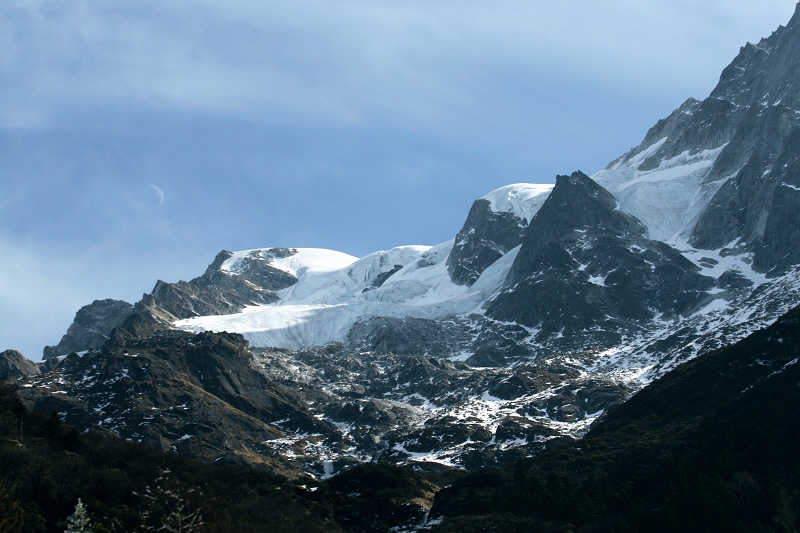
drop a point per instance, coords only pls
(586, 266)
(136, 326)
(382, 277)
(219, 292)
(13, 364)
(675, 126)
(756, 210)
(91, 327)
(780, 240)
(500, 345)
(407, 336)
(485, 237)
(255, 268)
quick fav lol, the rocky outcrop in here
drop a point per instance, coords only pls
(137, 326)
(219, 291)
(13, 364)
(485, 237)
(408, 336)
(755, 211)
(91, 327)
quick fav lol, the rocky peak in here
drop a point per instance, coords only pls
(13, 365)
(218, 291)
(755, 209)
(221, 290)
(726, 163)
(225, 287)
(760, 76)
(669, 127)
(254, 267)
(577, 204)
(137, 326)
(584, 265)
(763, 70)
(494, 226)
(91, 327)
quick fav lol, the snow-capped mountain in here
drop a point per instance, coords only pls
(551, 304)
(334, 291)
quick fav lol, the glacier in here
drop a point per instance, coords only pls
(326, 302)
(335, 290)
(668, 199)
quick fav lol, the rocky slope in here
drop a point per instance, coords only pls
(743, 143)
(585, 265)
(708, 447)
(495, 225)
(194, 394)
(215, 292)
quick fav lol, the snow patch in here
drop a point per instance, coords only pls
(714, 263)
(597, 280)
(641, 157)
(523, 200)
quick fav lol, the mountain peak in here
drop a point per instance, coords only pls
(585, 265)
(495, 224)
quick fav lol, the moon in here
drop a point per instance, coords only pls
(159, 192)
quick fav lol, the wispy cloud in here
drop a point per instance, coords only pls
(417, 62)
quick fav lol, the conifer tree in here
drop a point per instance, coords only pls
(79, 521)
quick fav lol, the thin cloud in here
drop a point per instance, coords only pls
(409, 62)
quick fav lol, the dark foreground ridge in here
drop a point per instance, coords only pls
(712, 446)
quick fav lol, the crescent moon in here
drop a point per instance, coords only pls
(159, 192)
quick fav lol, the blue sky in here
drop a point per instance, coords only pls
(351, 125)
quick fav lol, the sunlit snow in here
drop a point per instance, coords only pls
(521, 199)
(326, 302)
(308, 261)
(667, 199)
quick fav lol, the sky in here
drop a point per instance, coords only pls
(138, 138)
